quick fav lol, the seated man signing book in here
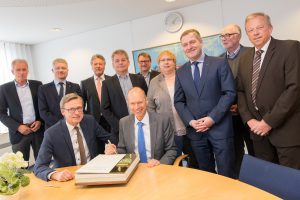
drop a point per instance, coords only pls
(71, 141)
(147, 134)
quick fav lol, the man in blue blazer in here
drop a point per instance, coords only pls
(204, 92)
(50, 94)
(71, 141)
(19, 110)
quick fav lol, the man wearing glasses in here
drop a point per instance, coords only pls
(230, 37)
(144, 60)
(71, 141)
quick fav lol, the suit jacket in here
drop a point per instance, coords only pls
(57, 144)
(159, 99)
(217, 94)
(90, 97)
(161, 137)
(114, 105)
(278, 92)
(236, 62)
(153, 74)
(11, 114)
(49, 101)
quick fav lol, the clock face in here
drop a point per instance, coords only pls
(173, 22)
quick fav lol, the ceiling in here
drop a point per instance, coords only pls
(31, 21)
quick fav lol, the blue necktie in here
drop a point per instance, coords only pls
(196, 77)
(141, 143)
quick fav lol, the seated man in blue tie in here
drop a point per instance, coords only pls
(145, 133)
(71, 141)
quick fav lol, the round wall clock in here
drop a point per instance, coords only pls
(173, 22)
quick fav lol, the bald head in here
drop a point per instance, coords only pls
(137, 102)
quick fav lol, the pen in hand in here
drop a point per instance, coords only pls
(115, 151)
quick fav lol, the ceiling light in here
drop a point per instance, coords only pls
(56, 29)
(169, 1)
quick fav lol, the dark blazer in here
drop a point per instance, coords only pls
(49, 101)
(216, 96)
(90, 97)
(278, 92)
(114, 105)
(162, 134)
(11, 114)
(57, 144)
(153, 73)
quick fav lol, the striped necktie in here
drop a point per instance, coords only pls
(255, 74)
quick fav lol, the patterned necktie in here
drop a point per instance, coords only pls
(61, 90)
(255, 74)
(141, 143)
(196, 76)
(98, 87)
(81, 147)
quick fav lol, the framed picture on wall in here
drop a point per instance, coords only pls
(212, 46)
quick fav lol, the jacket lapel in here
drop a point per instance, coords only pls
(264, 65)
(188, 78)
(14, 95)
(117, 87)
(205, 69)
(153, 132)
(131, 134)
(67, 138)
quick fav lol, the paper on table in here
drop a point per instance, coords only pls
(101, 164)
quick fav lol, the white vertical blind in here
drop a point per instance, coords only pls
(8, 52)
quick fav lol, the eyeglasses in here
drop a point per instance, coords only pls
(73, 110)
(144, 61)
(227, 35)
(166, 60)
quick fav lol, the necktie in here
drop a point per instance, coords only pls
(98, 87)
(255, 74)
(81, 147)
(61, 90)
(141, 143)
(196, 76)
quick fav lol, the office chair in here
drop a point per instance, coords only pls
(179, 159)
(281, 181)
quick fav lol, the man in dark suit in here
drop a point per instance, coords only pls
(144, 60)
(91, 93)
(269, 93)
(204, 92)
(115, 90)
(19, 110)
(157, 145)
(71, 141)
(230, 38)
(50, 94)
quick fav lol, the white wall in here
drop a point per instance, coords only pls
(208, 17)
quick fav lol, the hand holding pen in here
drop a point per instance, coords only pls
(110, 148)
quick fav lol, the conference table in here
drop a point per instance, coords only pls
(161, 182)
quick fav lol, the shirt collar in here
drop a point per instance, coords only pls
(56, 82)
(123, 76)
(265, 47)
(102, 78)
(71, 127)
(21, 86)
(234, 53)
(145, 120)
(201, 59)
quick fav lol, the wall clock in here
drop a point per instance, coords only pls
(173, 22)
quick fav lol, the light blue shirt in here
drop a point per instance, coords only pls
(200, 64)
(57, 86)
(126, 85)
(26, 101)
